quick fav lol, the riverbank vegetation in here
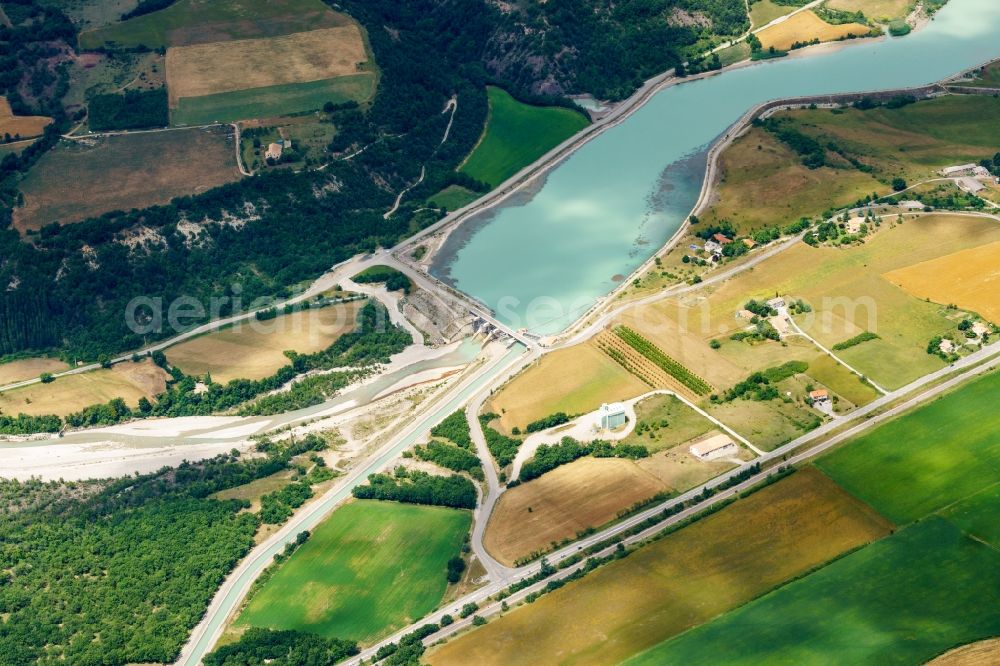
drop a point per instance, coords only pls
(370, 568)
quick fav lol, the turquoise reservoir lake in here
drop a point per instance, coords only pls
(542, 258)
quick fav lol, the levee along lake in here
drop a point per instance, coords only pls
(541, 259)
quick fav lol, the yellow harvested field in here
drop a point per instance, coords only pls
(256, 349)
(982, 653)
(29, 368)
(969, 279)
(129, 381)
(879, 10)
(586, 493)
(684, 579)
(805, 27)
(575, 380)
(23, 126)
(207, 69)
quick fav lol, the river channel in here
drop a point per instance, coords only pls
(541, 259)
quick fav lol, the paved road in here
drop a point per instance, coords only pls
(238, 583)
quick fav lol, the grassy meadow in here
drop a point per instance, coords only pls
(764, 183)
(849, 293)
(370, 568)
(516, 135)
(681, 580)
(877, 10)
(892, 602)
(272, 100)
(123, 172)
(256, 350)
(453, 197)
(202, 21)
(763, 12)
(671, 422)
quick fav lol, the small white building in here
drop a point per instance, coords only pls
(713, 247)
(712, 448)
(980, 329)
(776, 303)
(981, 172)
(911, 205)
(947, 346)
(611, 416)
(780, 324)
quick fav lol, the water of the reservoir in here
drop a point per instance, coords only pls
(542, 258)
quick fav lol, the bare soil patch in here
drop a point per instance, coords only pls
(124, 172)
(561, 503)
(207, 69)
(982, 653)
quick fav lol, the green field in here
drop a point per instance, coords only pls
(272, 100)
(203, 21)
(516, 135)
(933, 457)
(453, 197)
(902, 600)
(371, 568)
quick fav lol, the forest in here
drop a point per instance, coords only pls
(119, 571)
(258, 647)
(135, 109)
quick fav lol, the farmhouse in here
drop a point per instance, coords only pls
(911, 205)
(750, 243)
(819, 396)
(713, 247)
(970, 185)
(780, 325)
(722, 239)
(717, 446)
(611, 416)
(980, 329)
(947, 346)
(960, 170)
(745, 314)
(273, 152)
(776, 303)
